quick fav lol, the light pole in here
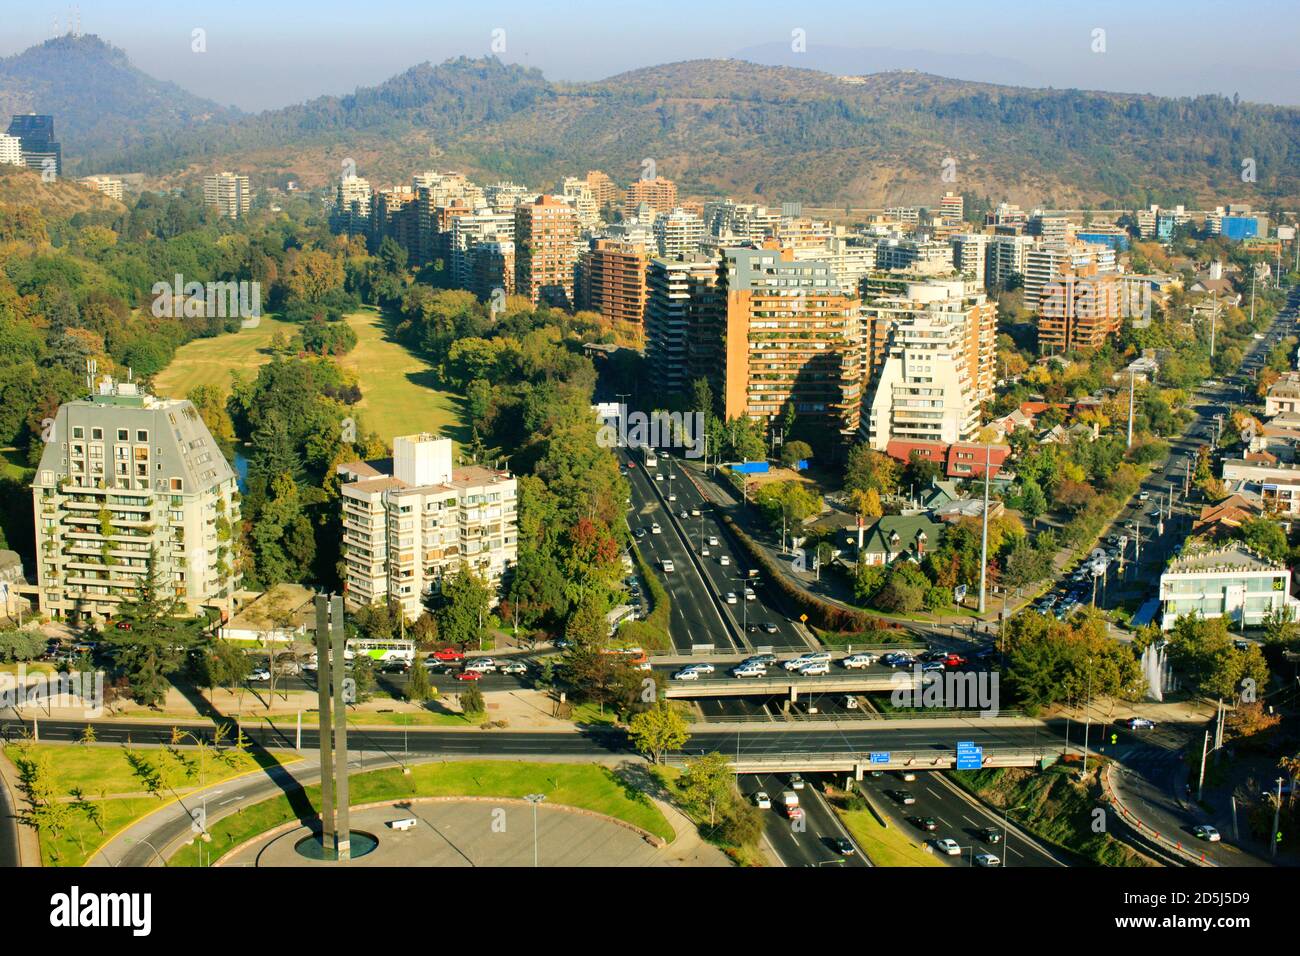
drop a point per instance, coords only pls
(1088, 714)
(535, 799)
(1006, 833)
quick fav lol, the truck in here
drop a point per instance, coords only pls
(790, 803)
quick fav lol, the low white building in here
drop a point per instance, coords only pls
(1233, 582)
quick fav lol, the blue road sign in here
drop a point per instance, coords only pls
(969, 757)
(880, 756)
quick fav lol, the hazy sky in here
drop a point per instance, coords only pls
(274, 52)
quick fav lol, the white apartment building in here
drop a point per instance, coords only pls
(938, 366)
(505, 196)
(410, 521)
(1005, 257)
(1278, 483)
(679, 233)
(1232, 582)
(970, 254)
(1045, 263)
(578, 193)
(228, 193)
(126, 475)
(110, 187)
(483, 225)
(850, 258)
(351, 212)
(11, 150)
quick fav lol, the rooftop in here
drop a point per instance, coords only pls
(1232, 557)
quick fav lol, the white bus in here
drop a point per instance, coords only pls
(392, 649)
(648, 453)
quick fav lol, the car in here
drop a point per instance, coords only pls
(858, 661)
(655, 529)
(796, 781)
(770, 628)
(672, 477)
(931, 666)
(749, 670)
(705, 552)
(453, 654)
(672, 496)
(686, 674)
(947, 846)
(753, 629)
(897, 659)
(470, 674)
(695, 512)
(397, 666)
(485, 664)
(841, 846)
(659, 477)
(929, 824)
(704, 667)
(682, 515)
(954, 660)
(640, 532)
(1207, 833)
(1144, 496)
(990, 834)
(730, 597)
(850, 702)
(668, 565)
(903, 796)
(514, 667)
(796, 663)
(713, 540)
(750, 595)
(877, 774)
(1154, 514)
(259, 673)
(762, 800)
(724, 560)
(794, 813)
(1241, 645)
(986, 860)
(1139, 723)
(123, 625)
(907, 776)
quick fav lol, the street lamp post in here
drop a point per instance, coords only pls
(535, 799)
(1006, 833)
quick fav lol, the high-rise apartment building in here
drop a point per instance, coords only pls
(678, 234)
(682, 341)
(1044, 262)
(228, 193)
(791, 338)
(492, 267)
(603, 189)
(578, 193)
(405, 530)
(546, 238)
(612, 280)
(11, 150)
(970, 254)
(1004, 258)
(1079, 309)
(952, 207)
(351, 212)
(939, 341)
(468, 231)
(127, 476)
(41, 151)
(658, 193)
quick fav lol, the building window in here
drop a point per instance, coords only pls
(78, 432)
(177, 484)
(142, 435)
(122, 434)
(97, 434)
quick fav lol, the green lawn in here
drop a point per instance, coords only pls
(885, 847)
(13, 464)
(398, 394)
(588, 786)
(210, 361)
(105, 770)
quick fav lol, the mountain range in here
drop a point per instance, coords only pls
(718, 127)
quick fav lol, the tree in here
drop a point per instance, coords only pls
(1267, 537)
(656, 731)
(869, 470)
(471, 699)
(462, 605)
(707, 782)
(793, 452)
(418, 688)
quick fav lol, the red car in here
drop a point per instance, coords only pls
(448, 654)
(954, 660)
(469, 675)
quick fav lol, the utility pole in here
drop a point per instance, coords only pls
(1205, 751)
(984, 530)
(1130, 409)
(1087, 726)
(1252, 297)
(1214, 317)
(1277, 810)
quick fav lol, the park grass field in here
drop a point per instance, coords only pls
(210, 361)
(398, 396)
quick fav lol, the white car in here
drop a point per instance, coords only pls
(762, 800)
(673, 496)
(695, 512)
(858, 661)
(987, 860)
(704, 552)
(749, 670)
(655, 529)
(513, 667)
(815, 668)
(750, 595)
(686, 674)
(723, 560)
(713, 540)
(259, 673)
(731, 597)
(484, 664)
(704, 667)
(1207, 833)
(659, 477)
(947, 846)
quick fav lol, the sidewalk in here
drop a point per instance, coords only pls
(28, 844)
